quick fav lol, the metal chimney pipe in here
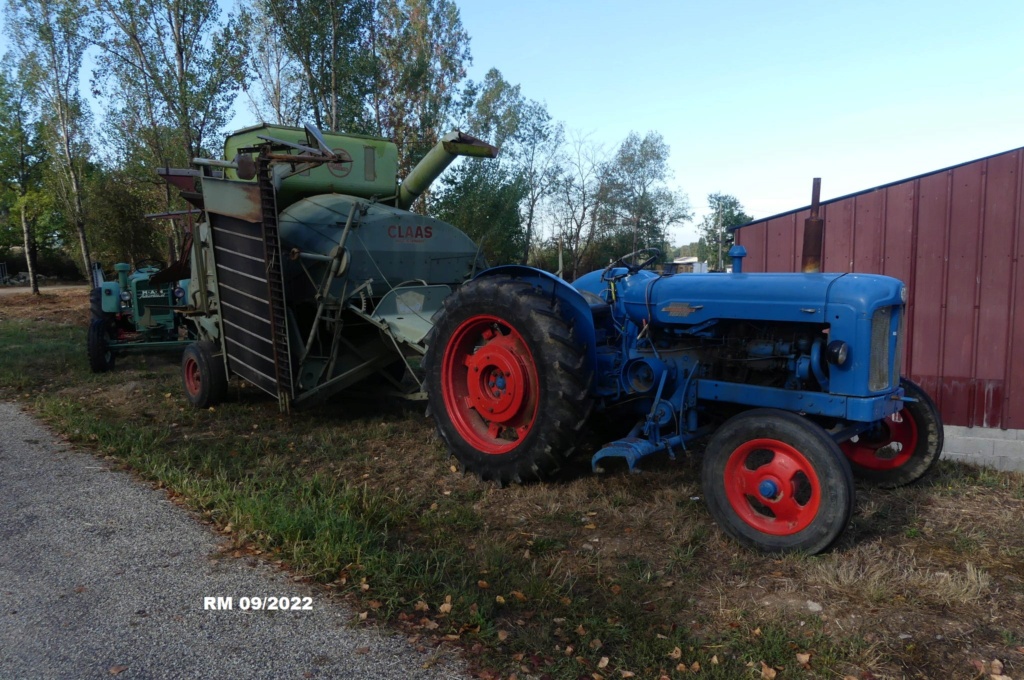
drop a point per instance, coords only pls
(813, 228)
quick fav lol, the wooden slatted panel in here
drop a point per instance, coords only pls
(244, 301)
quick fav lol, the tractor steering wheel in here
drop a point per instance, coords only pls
(633, 267)
(150, 262)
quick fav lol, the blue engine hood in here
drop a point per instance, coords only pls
(690, 299)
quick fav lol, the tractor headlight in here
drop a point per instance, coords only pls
(837, 353)
(125, 296)
(179, 293)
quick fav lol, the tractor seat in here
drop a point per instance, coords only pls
(598, 307)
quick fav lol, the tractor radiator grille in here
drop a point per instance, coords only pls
(885, 367)
(151, 301)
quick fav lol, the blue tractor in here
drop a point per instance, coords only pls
(794, 376)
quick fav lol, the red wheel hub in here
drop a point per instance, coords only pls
(772, 487)
(193, 378)
(887, 446)
(489, 383)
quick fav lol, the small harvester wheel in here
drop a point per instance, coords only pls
(203, 375)
(101, 356)
(902, 448)
(777, 482)
(506, 380)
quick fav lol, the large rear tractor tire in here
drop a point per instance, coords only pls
(203, 375)
(777, 482)
(902, 448)
(507, 380)
(101, 356)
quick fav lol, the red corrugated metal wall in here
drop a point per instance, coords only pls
(955, 237)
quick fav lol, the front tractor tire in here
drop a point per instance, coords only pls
(101, 356)
(902, 448)
(203, 375)
(777, 482)
(507, 380)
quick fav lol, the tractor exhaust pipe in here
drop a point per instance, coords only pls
(437, 159)
(813, 228)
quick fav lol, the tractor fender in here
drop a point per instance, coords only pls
(110, 297)
(572, 301)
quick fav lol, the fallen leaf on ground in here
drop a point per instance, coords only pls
(596, 644)
(483, 585)
(499, 599)
(804, 660)
(362, 650)
(421, 606)
(767, 672)
(502, 635)
(518, 595)
(675, 653)
(627, 674)
(114, 670)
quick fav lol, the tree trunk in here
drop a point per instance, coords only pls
(80, 226)
(30, 252)
(529, 233)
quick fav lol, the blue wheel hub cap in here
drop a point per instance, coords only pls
(768, 489)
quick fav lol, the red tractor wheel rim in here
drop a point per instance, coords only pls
(490, 384)
(889, 446)
(772, 487)
(193, 378)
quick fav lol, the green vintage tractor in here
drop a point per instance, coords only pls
(136, 312)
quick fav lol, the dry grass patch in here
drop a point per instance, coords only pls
(879, 574)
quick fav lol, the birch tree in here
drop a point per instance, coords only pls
(21, 159)
(49, 40)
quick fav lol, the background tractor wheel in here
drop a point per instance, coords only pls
(903, 447)
(203, 375)
(506, 379)
(96, 304)
(777, 482)
(101, 356)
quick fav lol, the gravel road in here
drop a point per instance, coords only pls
(102, 576)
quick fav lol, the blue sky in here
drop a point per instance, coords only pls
(757, 98)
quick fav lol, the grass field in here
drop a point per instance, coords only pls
(615, 576)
